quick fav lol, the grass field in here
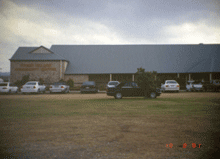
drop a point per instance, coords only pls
(69, 126)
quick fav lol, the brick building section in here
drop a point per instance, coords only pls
(49, 71)
(78, 79)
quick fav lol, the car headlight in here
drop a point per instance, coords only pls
(62, 86)
(178, 86)
(34, 86)
(167, 86)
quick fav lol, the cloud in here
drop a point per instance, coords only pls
(23, 25)
(192, 33)
(35, 27)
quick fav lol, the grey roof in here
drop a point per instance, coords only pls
(104, 59)
(25, 53)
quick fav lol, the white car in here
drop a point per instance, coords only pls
(194, 86)
(112, 84)
(170, 85)
(7, 87)
(33, 87)
(59, 87)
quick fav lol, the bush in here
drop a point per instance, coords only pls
(18, 83)
(70, 82)
(21, 82)
(41, 80)
(25, 79)
(146, 80)
(61, 80)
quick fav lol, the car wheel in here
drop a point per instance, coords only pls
(9, 92)
(118, 95)
(153, 95)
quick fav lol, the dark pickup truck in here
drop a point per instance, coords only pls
(130, 89)
(213, 85)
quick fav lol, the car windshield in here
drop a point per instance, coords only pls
(3, 84)
(171, 82)
(31, 83)
(89, 83)
(134, 84)
(59, 83)
(112, 83)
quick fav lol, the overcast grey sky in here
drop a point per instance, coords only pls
(48, 22)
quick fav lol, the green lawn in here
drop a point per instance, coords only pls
(20, 108)
(126, 128)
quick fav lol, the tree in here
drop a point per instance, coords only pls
(61, 80)
(41, 80)
(146, 80)
(21, 82)
(70, 82)
(25, 79)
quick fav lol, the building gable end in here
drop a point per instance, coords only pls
(41, 50)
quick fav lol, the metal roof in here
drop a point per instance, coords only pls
(105, 59)
(25, 53)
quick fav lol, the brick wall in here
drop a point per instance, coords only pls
(49, 71)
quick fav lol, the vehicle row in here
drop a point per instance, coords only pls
(111, 88)
(213, 85)
(172, 85)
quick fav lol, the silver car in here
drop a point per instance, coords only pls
(6, 87)
(61, 87)
(194, 86)
(112, 84)
(33, 87)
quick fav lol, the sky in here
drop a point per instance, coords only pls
(81, 22)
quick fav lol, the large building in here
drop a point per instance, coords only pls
(103, 63)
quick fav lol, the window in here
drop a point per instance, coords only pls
(128, 84)
(3, 84)
(134, 84)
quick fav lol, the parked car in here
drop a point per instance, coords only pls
(112, 84)
(170, 85)
(7, 87)
(33, 87)
(213, 85)
(61, 87)
(89, 86)
(194, 86)
(130, 89)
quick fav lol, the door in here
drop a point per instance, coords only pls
(137, 91)
(127, 89)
